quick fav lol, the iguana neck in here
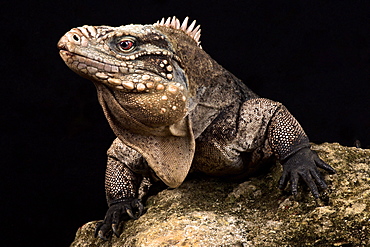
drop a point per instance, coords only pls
(211, 87)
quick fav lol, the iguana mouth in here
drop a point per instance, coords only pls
(81, 61)
(118, 77)
(103, 65)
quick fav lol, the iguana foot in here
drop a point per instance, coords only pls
(303, 164)
(117, 212)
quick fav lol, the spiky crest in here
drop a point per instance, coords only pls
(174, 23)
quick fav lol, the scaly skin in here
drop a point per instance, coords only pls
(172, 108)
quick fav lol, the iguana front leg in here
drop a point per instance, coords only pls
(291, 146)
(242, 138)
(125, 185)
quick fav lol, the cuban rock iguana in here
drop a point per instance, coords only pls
(172, 108)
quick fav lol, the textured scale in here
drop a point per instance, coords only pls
(173, 108)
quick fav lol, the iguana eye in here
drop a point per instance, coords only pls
(126, 45)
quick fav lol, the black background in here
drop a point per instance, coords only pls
(310, 55)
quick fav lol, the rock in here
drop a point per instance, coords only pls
(211, 212)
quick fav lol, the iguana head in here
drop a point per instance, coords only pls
(138, 64)
(141, 73)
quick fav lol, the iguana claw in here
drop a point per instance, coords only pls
(115, 230)
(130, 213)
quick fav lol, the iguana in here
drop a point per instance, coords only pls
(174, 109)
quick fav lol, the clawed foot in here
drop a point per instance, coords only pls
(304, 164)
(133, 208)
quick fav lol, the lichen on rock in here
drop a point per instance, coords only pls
(213, 212)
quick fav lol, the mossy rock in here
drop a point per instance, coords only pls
(212, 212)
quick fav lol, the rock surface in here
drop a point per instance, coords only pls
(211, 212)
